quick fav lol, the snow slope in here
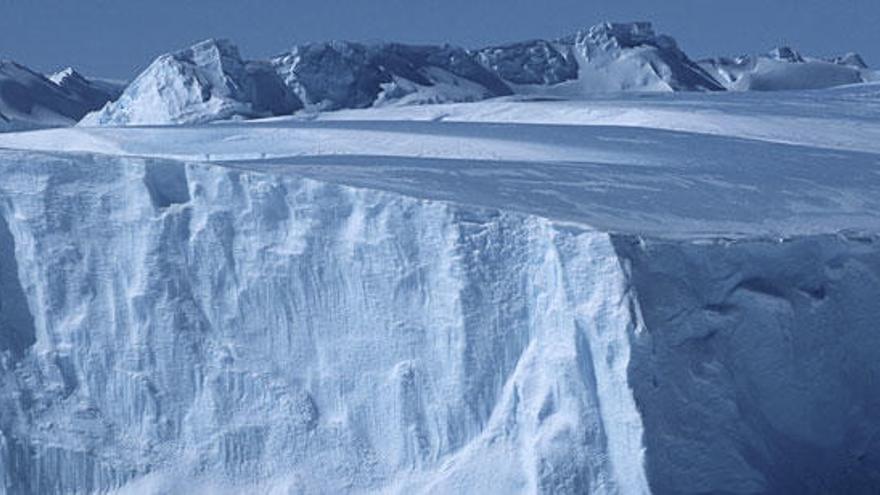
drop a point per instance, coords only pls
(30, 100)
(500, 297)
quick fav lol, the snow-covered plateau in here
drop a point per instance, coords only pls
(633, 294)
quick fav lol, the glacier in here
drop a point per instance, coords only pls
(674, 294)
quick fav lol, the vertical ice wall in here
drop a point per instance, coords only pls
(758, 372)
(197, 327)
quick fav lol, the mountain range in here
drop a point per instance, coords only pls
(211, 81)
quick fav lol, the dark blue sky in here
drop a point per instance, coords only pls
(116, 38)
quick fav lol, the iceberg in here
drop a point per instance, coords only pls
(509, 296)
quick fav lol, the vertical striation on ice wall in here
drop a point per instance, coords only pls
(197, 325)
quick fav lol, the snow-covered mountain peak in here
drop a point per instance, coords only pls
(622, 34)
(786, 54)
(64, 75)
(217, 61)
(211, 81)
(616, 36)
(784, 68)
(207, 81)
(329, 74)
(219, 54)
(633, 57)
(29, 99)
(342, 74)
(93, 93)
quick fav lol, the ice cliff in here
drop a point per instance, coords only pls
(189, 322)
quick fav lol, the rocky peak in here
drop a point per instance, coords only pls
(786, 54)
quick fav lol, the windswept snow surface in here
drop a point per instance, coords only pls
(501, 297)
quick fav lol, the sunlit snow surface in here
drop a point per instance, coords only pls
(676, 294)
